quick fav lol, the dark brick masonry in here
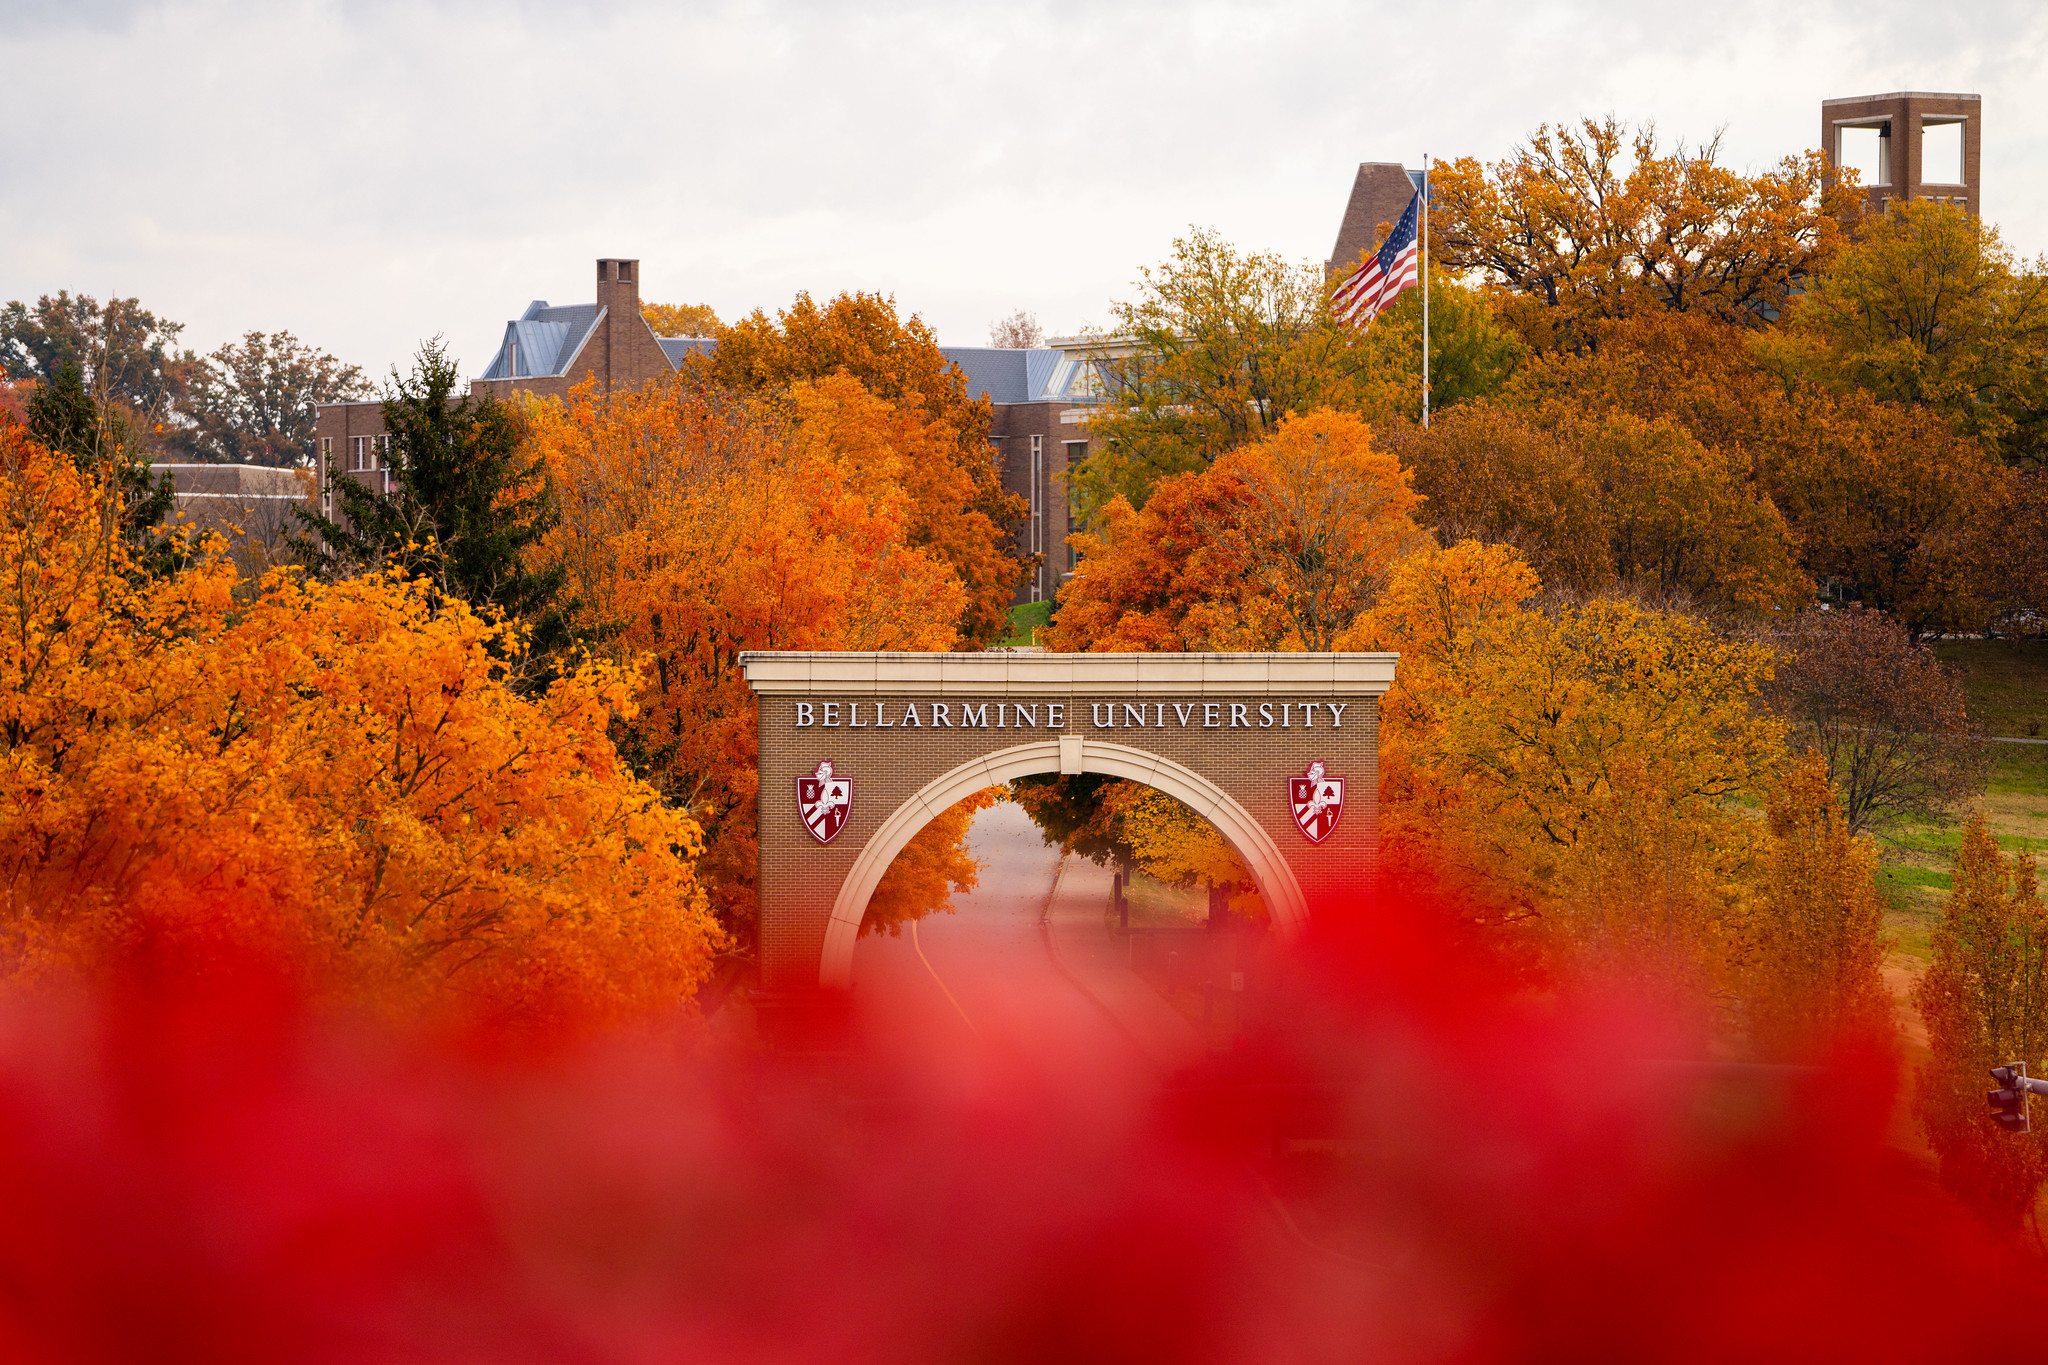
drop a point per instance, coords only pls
(1239, 743)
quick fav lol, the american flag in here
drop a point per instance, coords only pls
(1379, 280)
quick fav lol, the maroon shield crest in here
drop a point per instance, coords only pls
(1317, 800)
(824, 801)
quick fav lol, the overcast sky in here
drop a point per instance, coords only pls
(367, 174)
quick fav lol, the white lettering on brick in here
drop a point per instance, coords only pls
(803, 714)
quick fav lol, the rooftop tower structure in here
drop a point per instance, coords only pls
(1910, 144)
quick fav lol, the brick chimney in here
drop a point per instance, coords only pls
(618, 293)
(618, 285)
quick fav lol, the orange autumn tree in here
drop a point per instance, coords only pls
(1985, 1002)
(958, 508)
(1883, 500)
(1815, 944)
(1592, 221)
(699, 523)
(338, 773)
(1609, 499)
(1277, 545)
(1281, 544)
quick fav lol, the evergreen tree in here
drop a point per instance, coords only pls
(65, 418)
(465, 503)
(1985, 1001)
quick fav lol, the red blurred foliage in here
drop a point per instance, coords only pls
(1414, 1157)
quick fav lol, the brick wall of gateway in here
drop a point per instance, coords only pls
(800, 878)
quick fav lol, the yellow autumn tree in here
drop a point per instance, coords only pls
(1572, 767)
(1437, 605)
(1174, 844)
(699, 523)
(1929, 308)
(681, 319)
(337, 773)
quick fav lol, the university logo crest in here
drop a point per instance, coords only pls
(1317, 802)
(824, 800)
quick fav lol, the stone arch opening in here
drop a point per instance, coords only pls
(1277, 884)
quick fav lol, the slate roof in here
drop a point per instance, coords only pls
(548, 340)
(675, 348)
(1009, 375)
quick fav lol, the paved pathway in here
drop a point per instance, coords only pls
(1003, 972)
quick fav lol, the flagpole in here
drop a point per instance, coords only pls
(1425, 291)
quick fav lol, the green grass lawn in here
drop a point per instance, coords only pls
(1026, 618)
(2007, 683)
(2007, 687)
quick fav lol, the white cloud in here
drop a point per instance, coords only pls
(371, 173)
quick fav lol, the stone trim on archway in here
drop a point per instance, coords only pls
(1276, 881)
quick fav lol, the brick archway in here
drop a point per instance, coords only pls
(1277, 884)
(914, 733)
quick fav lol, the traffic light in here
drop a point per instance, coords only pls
(2009, 1101)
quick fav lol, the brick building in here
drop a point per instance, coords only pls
(1910, 144)
(1040, 399)
(546, 350)
(1379, 196)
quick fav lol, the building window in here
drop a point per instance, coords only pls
(1077, 451)
(382, 445)
(1866, 149)
(1941, 152)
(358, 448)
(326, 453)
(1036, 543)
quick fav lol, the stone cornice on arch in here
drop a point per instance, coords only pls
(1001, 673)
(1277, 884)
